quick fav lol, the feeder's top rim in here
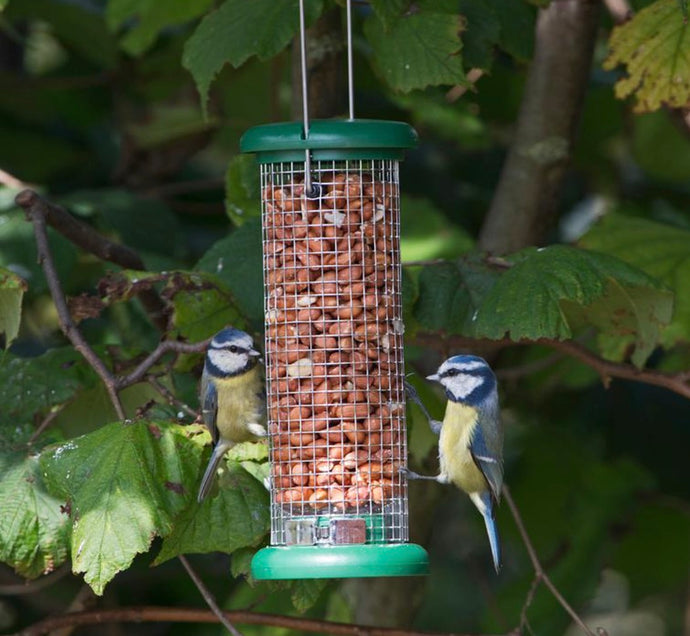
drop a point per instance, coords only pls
(329, 134)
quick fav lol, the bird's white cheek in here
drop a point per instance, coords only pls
(462, 385)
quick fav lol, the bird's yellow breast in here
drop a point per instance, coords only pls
(239, 404)
(456, 461)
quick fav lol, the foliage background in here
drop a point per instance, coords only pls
(101, 113)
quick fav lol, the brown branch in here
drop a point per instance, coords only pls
(164, 347)
(190, 615)
(455, 93)
(10, 181)
(35, 214)
(208, 597)
(527, 194)
(85, 237)
(677, 382)
(540, 574)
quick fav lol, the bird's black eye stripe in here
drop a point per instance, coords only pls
(450, 373)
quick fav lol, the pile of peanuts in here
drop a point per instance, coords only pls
(334, 342)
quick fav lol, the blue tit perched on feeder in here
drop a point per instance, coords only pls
(470, 437)
(232, 396)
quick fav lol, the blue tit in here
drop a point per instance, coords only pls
(471, 437)
(232, 396)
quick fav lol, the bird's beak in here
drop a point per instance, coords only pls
(254, 352)
(433, 377)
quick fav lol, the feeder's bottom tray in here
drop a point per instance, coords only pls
(340, 561)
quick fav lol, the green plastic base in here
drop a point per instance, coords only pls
(340, 561)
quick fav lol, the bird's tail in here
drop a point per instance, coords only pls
(485, 505)
(217, 454)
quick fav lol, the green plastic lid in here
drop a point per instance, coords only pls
(339, 561)
(330, 140)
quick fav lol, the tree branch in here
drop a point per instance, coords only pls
(677, 382)
(526, 197)
(85, 237)
(540, 574)
(189, 615)
(208, 597)
(164, 347)
(35, 214)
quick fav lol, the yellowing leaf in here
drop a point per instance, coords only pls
(655, 48)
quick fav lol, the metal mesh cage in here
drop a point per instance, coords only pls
(334, 352)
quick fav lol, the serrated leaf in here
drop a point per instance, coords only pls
(237, 31)
(150, 18)
(237, 261)
(655, 47)
(33, 385)
(12, 288)
(34, 532)
(242, 191)
(660, 250)
(418, 50)
(124, 484)
(450, 294)
(527, 301)
(241, 562)
(237, 517)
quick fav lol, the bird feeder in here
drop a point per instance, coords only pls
(334, 349)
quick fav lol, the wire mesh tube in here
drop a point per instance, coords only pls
(334, 357)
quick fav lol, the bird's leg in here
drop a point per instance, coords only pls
(412, 394)
(412, 475)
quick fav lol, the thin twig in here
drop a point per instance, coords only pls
(455, 93)
(620, 10)
(162, 348)
(541, 575)
(170, 397)
(10, 180)
(46, 422)
(85, 237)
(36, 215)
(208, 597)
(677, 382)
(192, 615)
(30, 587)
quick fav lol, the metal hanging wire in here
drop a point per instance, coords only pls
(311, 189)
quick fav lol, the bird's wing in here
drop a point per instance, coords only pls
(486, 447)
(209, 405)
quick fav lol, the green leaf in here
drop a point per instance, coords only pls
(34, 531)
(451, 293)
(12, 288)
(242, 191)
(529, 300)
(655, 47)
(238, 30)
(482, 34)
(29, 386)
(152, 16)
(304, 593)
(388, 11)
(518, 21)
(237, 261)
(418, 50)
(662, 251)
(124, 484)
(237, 517)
